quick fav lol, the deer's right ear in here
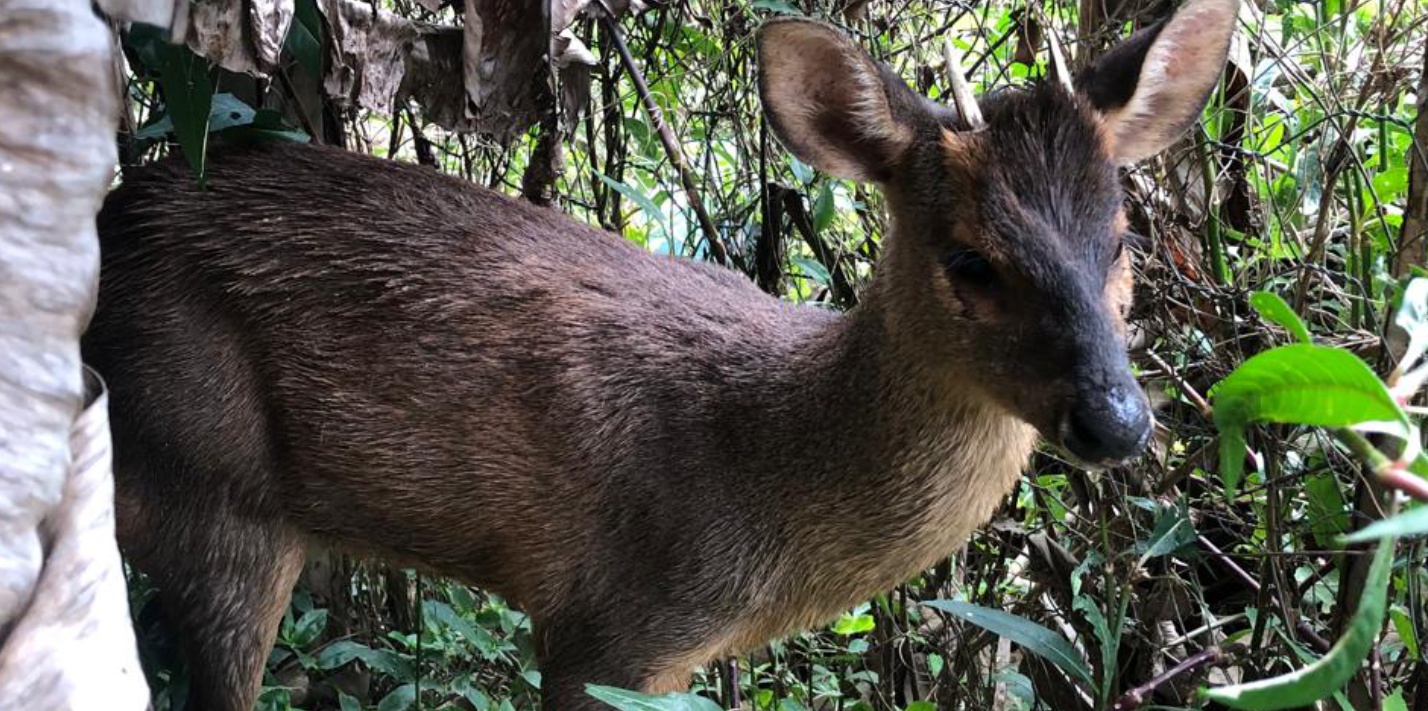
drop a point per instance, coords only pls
(829, 102)
(1153, 86)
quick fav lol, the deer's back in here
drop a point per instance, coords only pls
(360, 345)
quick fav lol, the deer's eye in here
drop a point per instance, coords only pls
(969, 267)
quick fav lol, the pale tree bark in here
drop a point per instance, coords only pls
(65, 635)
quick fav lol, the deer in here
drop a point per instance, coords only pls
(643, 453)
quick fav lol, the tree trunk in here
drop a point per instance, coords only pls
(1411, 244)
(65, 635)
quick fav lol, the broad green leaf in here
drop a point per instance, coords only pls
(639, 198)
(188, 96)
(1275, 310)
(635, 701)
(1326, 514)
(482, 640)
(1018, 689)
(477, 698)
(304, 40)
(813, 269)
(1403, 624)
(309, 627)
(1408, 523)
(1391, 183)
(824, 209)
(921, 706)
(1173, 530)
(1032, 637)
(1296, 384)
(1332, 671)
(934, 665)
(400, 699)
(348, 703)
(1395, 701)
(850, 624)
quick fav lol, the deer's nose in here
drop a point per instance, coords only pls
(1108, 427)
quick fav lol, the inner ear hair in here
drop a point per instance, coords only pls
(830, 103)
(1152, 87)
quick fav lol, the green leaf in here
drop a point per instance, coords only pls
(1275, 310)
(934, 665)
(348, 703)
(813, 269)
(1408, 523)
(1297, 384)
(1326, 514)
(341, 652)
(188, 96)
(636, 701)
(850, 624)
(823, 208)
(1032, 637)
(1403, 624)
(1395, 702)
(309, 627)
(921, 706)
(1173, 531)
(1391, 183)
(400, 699)
(303, 41)
(478, 699)
(1332, 671)
(483, 641)
(638, 198)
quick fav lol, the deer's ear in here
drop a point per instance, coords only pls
(1153, 86)
(830, 103)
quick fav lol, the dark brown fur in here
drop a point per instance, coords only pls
(655, 459)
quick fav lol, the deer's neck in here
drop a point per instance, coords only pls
(892, 425)
(893, 466)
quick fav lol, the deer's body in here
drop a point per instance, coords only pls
(658, 461)
(605, 424)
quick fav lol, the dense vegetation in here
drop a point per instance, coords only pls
(1138, 586)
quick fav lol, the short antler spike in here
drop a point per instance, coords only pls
(961, 91)
(1058, 61)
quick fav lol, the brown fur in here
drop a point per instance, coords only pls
(656, 460)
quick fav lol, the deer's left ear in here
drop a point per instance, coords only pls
(1153, 86)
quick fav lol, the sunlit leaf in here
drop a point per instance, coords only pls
(1275, 310)
(849, 624)
(1297, 384)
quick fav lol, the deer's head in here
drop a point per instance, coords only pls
(1006, 272)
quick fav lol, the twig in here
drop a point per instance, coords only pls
(1195, 397)
(666, 137)
(1135, 698)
